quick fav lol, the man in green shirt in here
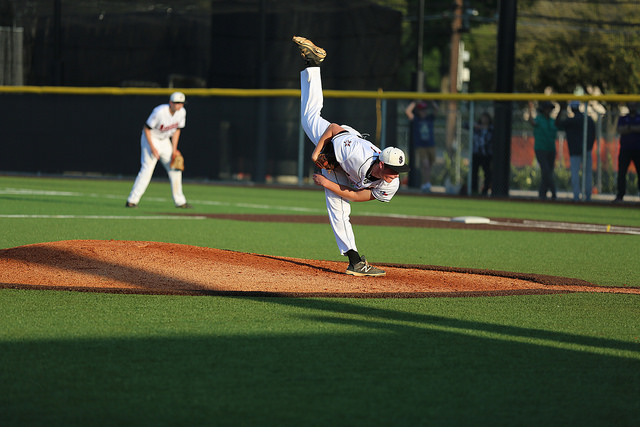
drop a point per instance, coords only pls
(544, 134)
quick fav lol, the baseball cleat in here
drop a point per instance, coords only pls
(184, 206)
(310, 51)
(364, 269)
(130, 205)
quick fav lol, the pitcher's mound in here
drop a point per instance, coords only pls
(164, 268)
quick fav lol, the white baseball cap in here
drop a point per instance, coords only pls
(395, 159)
(177, 97)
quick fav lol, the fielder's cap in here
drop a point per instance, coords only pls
(574, 104)
(395, 159)
(177, 97)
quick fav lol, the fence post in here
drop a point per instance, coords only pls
(584, 153)
(471, 117)
(598, 161)
(300, 152)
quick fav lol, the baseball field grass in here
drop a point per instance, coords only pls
(75, 358)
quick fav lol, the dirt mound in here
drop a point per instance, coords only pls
(164, 268)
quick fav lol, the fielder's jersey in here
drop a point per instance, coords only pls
(356, 155)
(163, 125)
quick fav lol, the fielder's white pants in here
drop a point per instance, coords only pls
(339, 209)
(147, 166)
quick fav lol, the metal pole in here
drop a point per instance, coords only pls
(598, 162)
(300, 155)
(504, 83)
(419, 59)
(57, 43)
(414, 173)
(383, 124)
(452, 119)
(260, 158)
(458, 149)
(471, 116)
(584, 153)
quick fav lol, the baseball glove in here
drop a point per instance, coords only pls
(178, 162)
(327, 158)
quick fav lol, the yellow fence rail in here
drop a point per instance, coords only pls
(380, 94)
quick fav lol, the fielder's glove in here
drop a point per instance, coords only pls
(178, 162)
(327, 158)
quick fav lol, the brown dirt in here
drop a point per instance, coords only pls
(164, 268)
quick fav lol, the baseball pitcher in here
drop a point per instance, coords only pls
(352, 168)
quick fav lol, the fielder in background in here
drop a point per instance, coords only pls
(362, 172)
(159, 141)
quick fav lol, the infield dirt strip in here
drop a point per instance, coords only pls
(172, 269)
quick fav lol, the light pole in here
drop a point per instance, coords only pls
(420, 59)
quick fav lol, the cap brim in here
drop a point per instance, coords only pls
(399, 169)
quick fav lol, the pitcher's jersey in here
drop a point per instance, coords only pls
(163, 125)
(356, 155)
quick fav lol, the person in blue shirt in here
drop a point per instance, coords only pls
(574, 129)
(629, 130)
(421, 117)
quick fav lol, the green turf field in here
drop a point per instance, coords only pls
(71, 358)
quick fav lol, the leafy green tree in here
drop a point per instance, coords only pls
(563, 44)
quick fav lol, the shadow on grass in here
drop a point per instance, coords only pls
(379, 319)
(325, 370)
(329, 362)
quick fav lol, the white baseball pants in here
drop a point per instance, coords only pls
(148, 164)
(314, 125)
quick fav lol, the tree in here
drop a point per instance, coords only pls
(565, 44)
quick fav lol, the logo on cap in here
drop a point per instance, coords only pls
(394, 158)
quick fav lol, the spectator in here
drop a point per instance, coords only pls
(421, 118)
(482, 153)
(574, 128)
(544, 134)
(629, 130)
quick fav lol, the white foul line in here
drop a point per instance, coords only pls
(163, 217)
(596, 228)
